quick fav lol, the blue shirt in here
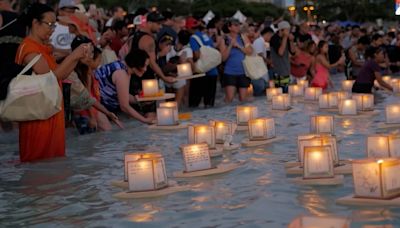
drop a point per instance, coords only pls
(108, 91)
(207, 41)
(234, 65)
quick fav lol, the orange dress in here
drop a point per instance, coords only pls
(40, 139)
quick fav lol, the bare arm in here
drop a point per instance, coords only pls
(282, 48)
(326, 63)
(121, 81)
(378, 77)
(64, 69)
(147, 44)
(247, 49)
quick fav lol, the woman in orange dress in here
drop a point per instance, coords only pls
(41, 139)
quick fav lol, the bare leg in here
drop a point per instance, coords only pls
(229, 93)
(242, 94)
(179, 95)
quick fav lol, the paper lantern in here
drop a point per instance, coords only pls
(261, 129)
(387, 79)
(303, 83)
(378, 179)
(184, 69)
(392, 113)
(245, 113)
(322, 124)
(222, 129)
(347, 85)
(312, 93)
(196, 157)
(318, 162)
(383, 146)
(201, 134)
(296, 90)
(281, 102)
(150, 87)
(319, 222)
(395, 83)
(146, 172)
(317, 140)
(273, 92)
(329, 100)
(348, 107)
(166, 117)
(171, 104)
(365, 102)
(342, 95)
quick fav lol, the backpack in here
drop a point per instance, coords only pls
(209, 57)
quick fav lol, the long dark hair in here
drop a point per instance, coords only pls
(82, 70)
(34, 11)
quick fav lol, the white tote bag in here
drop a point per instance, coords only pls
(209, 57)
(31, 97)
(254, 67)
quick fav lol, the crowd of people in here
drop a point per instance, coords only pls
(100, 61)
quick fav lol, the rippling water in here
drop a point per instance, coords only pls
(75, 191)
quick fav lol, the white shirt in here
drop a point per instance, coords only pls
(186, 51)
(61, 37)
(259, 47)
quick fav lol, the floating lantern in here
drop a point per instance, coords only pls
(296, 90)
(150, 87)
(348, 107)
(383, 146)
(246, 113)
(261, 129)
(319, 222)
(184, 69)
(377, 179)
(281, 102)
(329, 100)
(317, 140)
(318, 162)
(365, 102)
(166, 117)
(303, 83)
(395, 83)
(171, 104)
(312, 93)
(273, 92)
(392, 114)
(321, 125)
(196, 157)
(347, 85)
(146, 172)
(342, 95)
(201, 134)
(222, 129)
(387, 79)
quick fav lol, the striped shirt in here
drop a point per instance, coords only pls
(108, 91)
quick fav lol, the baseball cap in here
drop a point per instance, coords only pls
(67, 4)
(283, 25)
(155, 17)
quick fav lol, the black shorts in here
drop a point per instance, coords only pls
(239, 81)
(145, 107)
(362, 87)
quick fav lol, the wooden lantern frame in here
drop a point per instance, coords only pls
(202, 159)
(150, 93)
(342, 106)
(281, 102)
(253, 113)
(392, 145)
(267, 132)
(193, 137)
(364, 102)
(390, 118)
(221, 129)
(312, 96)
(315, 125)
(173, 118)
(326, 153)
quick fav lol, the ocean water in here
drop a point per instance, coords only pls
(75, 191)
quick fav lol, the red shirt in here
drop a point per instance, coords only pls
(301, 64)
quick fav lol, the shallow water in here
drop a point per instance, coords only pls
(75, 191)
